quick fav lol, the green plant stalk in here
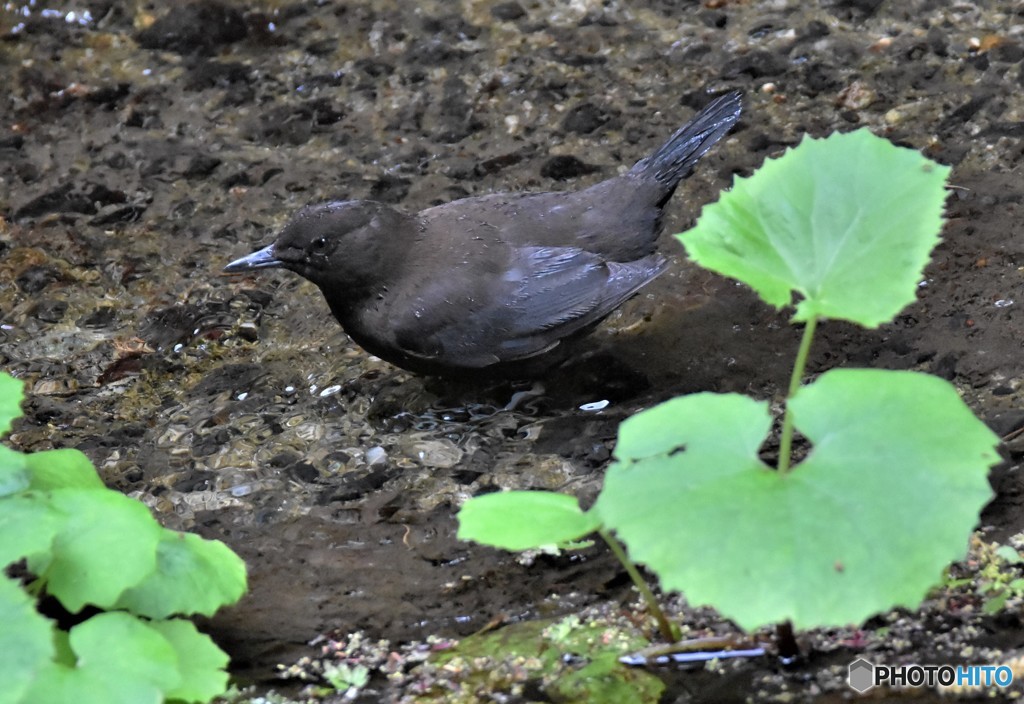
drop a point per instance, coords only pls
(786, 440)
(667, 632)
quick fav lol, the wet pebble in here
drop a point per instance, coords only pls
(201, 166)
(376, 456)
(390, 189)
(586, 117)
(435, 453)
(456, 118)
(102, 317)
(508, 11)
(36, 278)
(195, 28)
(71, 198)
(565, 167)
(212, 73)
(59, 345)
(304, 472)
(55, 387)
(309, 432)
(357, 484)
(756, 64)
(241, 490)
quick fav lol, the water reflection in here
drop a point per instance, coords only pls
(30, 9)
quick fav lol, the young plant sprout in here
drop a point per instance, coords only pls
(896, 472)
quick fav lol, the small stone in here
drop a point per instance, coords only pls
(35, 278)
(196, 28)
(565, 167)
(856, 96)
(376, 456)
(50, 311)
(304, 472)
(585, 118)
(201, 166)
(508, 11)
(436, 453)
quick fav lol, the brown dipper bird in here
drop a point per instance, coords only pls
(495, 285)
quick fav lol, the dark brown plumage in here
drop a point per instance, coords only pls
(495, 285)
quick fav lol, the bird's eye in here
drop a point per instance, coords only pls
(319, 245)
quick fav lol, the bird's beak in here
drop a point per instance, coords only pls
(263, 259)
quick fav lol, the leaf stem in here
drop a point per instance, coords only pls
(667, 632)
(786, 642)
(786, 440)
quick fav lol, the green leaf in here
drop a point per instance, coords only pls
(62, 469)
(107, 545)
(992, 606)
(520, 520)
(125, 649)
(847, 222)
(200, 663)
(192, 576)
(1009, 554)
(11, 396)
(120, 660)
(26, 641)
(343, 676)
(28, 526)
(886, 499)
(14, 474)
(656, 430)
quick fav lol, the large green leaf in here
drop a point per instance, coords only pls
(886, 499)
(28, 526)
(14, 474)
(200, 663)
(11, 396)
(847, 222)
(26, 642)
(520, 520)
(120, 660)
(62, 469)
(192, 576)
(107, 545)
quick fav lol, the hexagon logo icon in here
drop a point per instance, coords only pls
(862, 675)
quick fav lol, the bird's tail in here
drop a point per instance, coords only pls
(676, 158)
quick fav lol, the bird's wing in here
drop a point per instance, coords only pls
(542, 296)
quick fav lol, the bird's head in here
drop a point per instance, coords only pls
(341, 245)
